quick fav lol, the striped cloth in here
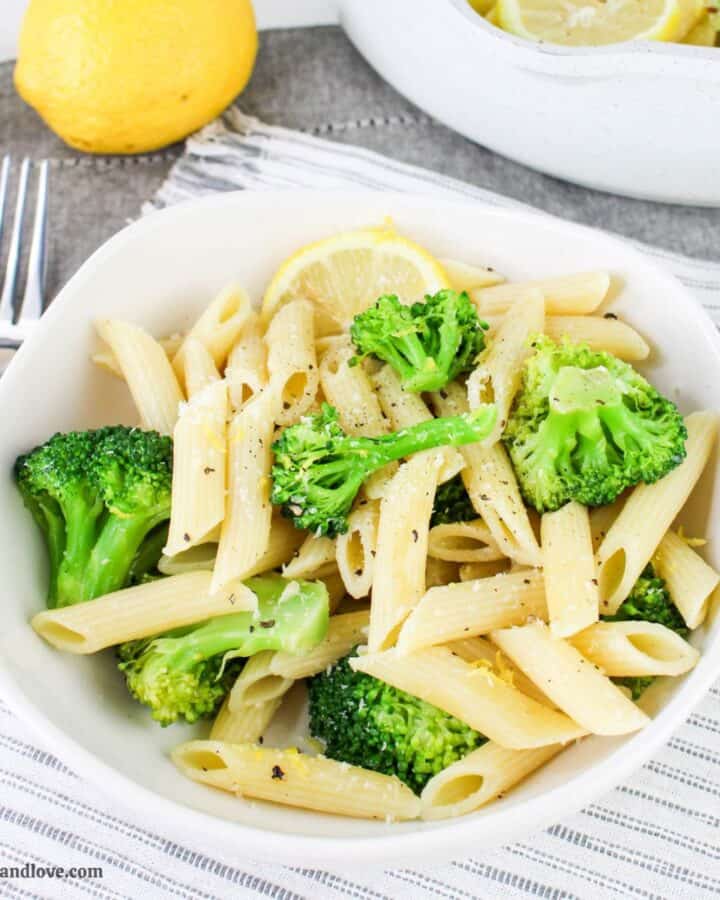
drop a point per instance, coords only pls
(656, 836)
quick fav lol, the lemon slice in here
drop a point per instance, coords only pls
(591, 23)
(703, 34)
(345, 274)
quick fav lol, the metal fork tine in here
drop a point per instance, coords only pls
(7, 309)
(33, 299)
(4, 180)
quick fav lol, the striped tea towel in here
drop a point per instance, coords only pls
(656, 836)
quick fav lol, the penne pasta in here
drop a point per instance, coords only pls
(399, 571)
(200, 558)
(571, 584)
(648, 513)
(344, 632)
(245, 534)
(257, 684)
(463, 542)
(479, 777)
(199, 464)
(471, 571)
(479, 651)
(464, 277)
(490, 481)
(690, 580)
(336, 590)
(497, 376)
(471, 608)
(141, 611)
(246, 369)
(602, 517)
(439, 571)
(563, 673)
(356, 550)
(404, 409)
(474, 695)
(247, 725)
(599, 333)
(291, 361)
(349, 390)
(635, 648)
(566, 295)
(314, 558)
(199, 369)
(293, 779)
(217, 327)
(146, 369)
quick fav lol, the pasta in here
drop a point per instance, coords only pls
(199, 464)
(246, 370)
(463, 542)
(399, 570)
(497, 376)
(247, 725)
(599, 333)
(479, 777)
(690, 580)
(349, 390)
(480, 651)
(490, 481)
(313, 559)
(286, 776)
(291, 360)
(473, 607)
(246, 528)
(474, 695)
(464, 277)
(403, 409)
(147, 371)
(564, 674)
(268, 676)
(567, 295)
(571, 584)
(356, 550)
(138, 612)
(646, 516)
(218, 327)
(635, 648)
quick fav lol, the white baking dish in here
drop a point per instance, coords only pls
(640, 119)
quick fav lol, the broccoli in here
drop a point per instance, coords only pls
(145, 564)
(319, 469)
(585, 426)
(368, 723)
(428, 344)
(186, 673)
(96, 495)
(649, 601)
(452, 503)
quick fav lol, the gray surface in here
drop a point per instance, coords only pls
(313, 79)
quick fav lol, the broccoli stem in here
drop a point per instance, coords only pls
(112, 554)
(81, 522)
(466, 428)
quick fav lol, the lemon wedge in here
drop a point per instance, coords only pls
(703, 34)
(345, 274)
(592, 23)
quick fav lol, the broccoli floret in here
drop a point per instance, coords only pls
(649, 601)
(96, 495)
(319, 469)
(186, 673)
(365, 722)
(585, 426)
(428, 344)
(452, 503)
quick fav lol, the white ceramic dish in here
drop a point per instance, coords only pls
(160, 272)
(638, 119)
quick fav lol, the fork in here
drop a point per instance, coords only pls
(17, 320)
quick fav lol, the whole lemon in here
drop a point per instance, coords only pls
(127, 76)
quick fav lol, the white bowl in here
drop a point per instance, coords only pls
(160, 272)
(638, 119)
